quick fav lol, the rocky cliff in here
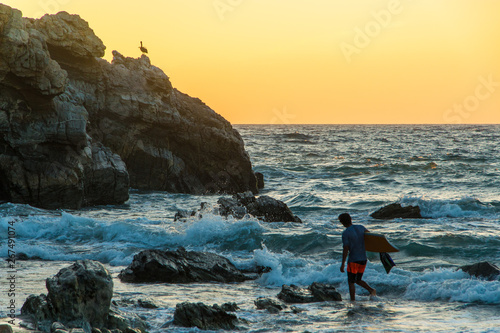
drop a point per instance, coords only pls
(76, 130)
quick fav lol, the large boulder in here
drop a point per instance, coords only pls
(482, 270)
(204, 317)
(316, 292)
(79, 296)
(81, 292)
(395, 210)
(182, 266)
(76, 130)
(263, 207)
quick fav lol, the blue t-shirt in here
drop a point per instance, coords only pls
(354, 237)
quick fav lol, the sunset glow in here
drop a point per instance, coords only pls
(312, 62)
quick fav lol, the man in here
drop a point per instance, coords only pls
(353, 240)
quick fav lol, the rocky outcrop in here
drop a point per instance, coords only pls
(316, 292)
(263, 207)
(482, 270)
(395, 210)
(204, 317)
(47, 158)
(76, 130)
(79, 296)
(182, 266)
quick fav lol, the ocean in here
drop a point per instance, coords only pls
(452, 172)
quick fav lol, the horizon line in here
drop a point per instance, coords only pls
(370, 124)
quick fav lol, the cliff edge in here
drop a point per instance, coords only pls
(76, 130)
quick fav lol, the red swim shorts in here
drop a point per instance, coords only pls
(355, 270)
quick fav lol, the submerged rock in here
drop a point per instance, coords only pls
(264, 208)
(316, 292)
(395, 210)
(482, 270)
(204, 317)
(182, 266)
(76, 130)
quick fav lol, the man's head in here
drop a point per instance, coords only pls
(345, 219)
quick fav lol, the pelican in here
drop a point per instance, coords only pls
(143, 49)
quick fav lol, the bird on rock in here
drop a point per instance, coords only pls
(143, 49)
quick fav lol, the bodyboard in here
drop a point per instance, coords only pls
(378, 243)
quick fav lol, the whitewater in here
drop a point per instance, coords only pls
(319, 171)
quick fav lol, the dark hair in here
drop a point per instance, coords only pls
(345, 218)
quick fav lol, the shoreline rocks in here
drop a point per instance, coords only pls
(263, 207)
(79, 296)
(76, 130)
(482, 270)
(395, 210)
(181, 266)
(204, 317)
(316, 292)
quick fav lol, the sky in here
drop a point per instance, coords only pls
(312, 61)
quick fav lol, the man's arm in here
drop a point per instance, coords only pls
(344, 257)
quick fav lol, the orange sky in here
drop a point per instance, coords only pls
(313, 61)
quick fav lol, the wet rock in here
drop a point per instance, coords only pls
(260, 180)
(295, 294)
(482, 270)
(79, 297)
(77, 330)
(264, 208)
(269, 304)
(395, 210)
(147, 304)
(124, 321)
(316, 292)
(181, 266)
(57, 326)
(324, 292)
(37, 307)
(204, 317)
(230, 307)
(183, 215)
(81, 293)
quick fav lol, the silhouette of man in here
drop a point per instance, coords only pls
(354, 246)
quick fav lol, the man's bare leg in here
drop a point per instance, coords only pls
(352, 291)
(365, 285)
